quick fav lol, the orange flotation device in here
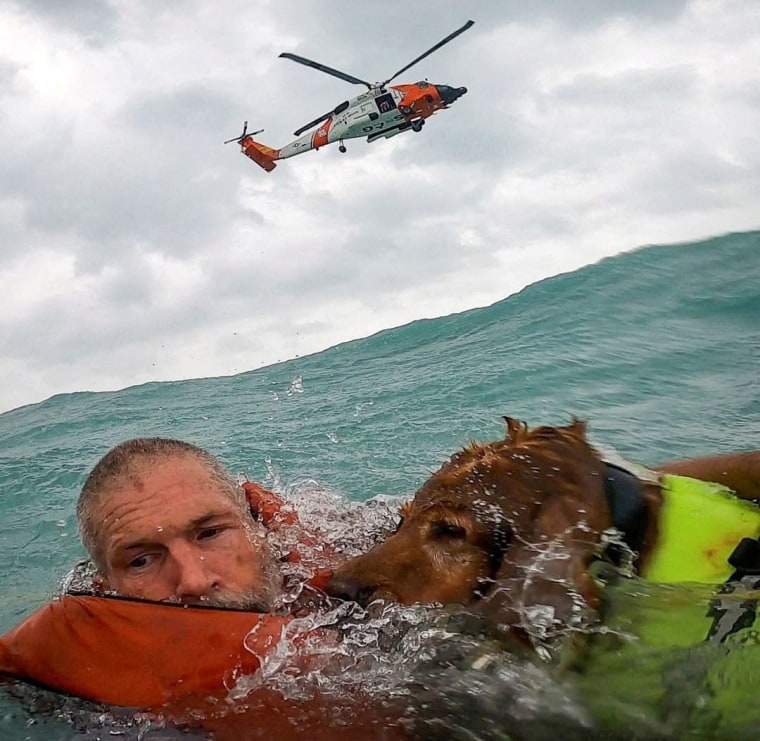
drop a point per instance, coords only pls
(134, 653)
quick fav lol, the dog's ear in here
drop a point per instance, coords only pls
(515, 429)
(578, 427)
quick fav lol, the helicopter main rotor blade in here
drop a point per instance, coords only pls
(324, 68)
(450, 37)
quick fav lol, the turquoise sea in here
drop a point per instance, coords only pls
(658, 348)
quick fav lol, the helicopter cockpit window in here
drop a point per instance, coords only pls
(385, 103)
(341, 107)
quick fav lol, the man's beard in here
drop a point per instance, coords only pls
(255, 600)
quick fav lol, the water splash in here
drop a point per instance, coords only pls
(296, 386)
(446, 677)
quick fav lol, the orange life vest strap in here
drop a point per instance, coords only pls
(275, 513)
(268, 507)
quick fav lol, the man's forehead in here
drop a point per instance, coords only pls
(170, 478)
(176, 493)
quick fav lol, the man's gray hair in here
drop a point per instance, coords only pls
(123, 465)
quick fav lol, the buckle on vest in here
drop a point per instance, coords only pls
(746, 557)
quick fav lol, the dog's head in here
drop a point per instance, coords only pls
(506, 524)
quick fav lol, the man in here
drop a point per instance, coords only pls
(171, 535)
(162, 520)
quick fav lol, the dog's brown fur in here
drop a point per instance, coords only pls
(511, 524)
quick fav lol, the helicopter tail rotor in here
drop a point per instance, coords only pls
(239, 139)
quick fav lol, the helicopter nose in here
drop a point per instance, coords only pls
(450, 94)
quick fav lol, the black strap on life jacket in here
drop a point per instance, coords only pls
(626, 501)
(730, 614)
(745, 559)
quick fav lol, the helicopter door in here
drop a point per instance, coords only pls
(385, 103)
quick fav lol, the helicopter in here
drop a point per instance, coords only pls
(381, 112)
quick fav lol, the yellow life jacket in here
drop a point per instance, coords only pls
(700, 526)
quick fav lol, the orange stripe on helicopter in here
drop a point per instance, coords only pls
(320, 135)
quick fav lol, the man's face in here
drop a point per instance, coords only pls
(175, 535)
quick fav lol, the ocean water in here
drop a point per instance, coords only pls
(658, 348)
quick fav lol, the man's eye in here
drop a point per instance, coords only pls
(210, 532)
(449, 530)
(140, 562)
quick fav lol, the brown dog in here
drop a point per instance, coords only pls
(512, 526)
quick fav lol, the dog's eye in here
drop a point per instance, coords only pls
(443, 529)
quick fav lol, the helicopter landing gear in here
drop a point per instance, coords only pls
(342, 148)
(418, 124)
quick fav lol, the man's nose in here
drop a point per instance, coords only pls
(194, 578)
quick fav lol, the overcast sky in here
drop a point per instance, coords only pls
(135, 246)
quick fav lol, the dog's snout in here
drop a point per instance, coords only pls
(347, 588)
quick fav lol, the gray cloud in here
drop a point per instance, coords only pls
(94, 22)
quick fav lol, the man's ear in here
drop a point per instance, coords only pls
(100, 583)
